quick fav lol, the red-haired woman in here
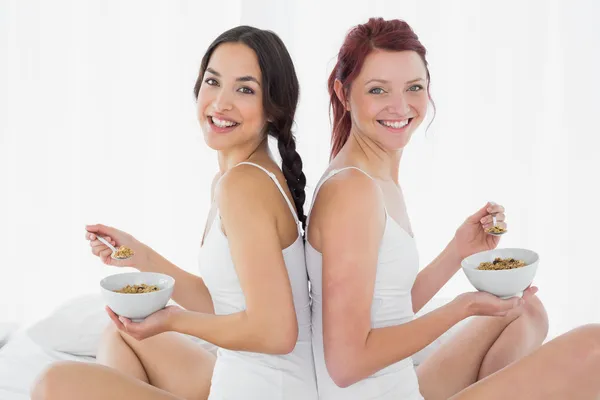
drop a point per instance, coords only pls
(363, 263)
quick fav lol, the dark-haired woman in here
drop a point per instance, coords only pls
(251, 300)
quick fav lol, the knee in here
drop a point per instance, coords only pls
(536, 314)
(52, 381)
(112, 333)
(110, 330)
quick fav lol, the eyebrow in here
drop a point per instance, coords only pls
(385, 82)
(247, 78)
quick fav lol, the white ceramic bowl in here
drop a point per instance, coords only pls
(503, 283)
(136, 306)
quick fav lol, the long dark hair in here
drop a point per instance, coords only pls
(280, 98)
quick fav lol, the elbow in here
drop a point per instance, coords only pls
(284, 345)
(345, 359)
(343, 379)
(285, 338)
(342, 372)
(278, 337)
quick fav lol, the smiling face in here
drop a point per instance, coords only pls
(230, 106)
(388, 99)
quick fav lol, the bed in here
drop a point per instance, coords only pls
(21, 361)
(72, 332)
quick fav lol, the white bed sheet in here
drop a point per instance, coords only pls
(21, 361)
(6, 330)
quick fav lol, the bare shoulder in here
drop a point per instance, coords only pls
(246, 185)
(349, 190)
(346, 200)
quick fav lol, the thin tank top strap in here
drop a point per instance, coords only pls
(332, 173)
(287, 200)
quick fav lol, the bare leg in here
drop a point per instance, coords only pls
(77, 380)
(486, 342)
(567, 367)
(520, 338)
(114, 352)
(169, 361)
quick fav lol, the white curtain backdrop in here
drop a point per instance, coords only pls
(97, 124)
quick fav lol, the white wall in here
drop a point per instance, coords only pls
(95, 94)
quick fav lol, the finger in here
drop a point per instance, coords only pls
(98, 247)
(105, 254)
(107, 238)
(494, 208)
(509, 304)
(489, 218)
(529, 292)
(106, 251)
(101, 230)
(115, 318)
(133, 329)
(94, 236)
(97, 251)
(97, 243)
(127, 322)
(96, 228)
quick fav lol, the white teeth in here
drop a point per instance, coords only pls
(395, 124)
(221, 123)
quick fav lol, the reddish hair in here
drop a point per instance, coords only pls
(377, 33)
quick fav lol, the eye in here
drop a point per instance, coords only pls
(211, 82)
(415, 88)
(246, 90)
(377, 90)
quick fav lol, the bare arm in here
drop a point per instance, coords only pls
(351, 230)
(433, 277)
(470, 238)
(268, 324)
(190, 291)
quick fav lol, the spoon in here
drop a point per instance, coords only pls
(494, 226)
(114, 250)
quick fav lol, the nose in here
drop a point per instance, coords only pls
(399, 104)
(222, 102)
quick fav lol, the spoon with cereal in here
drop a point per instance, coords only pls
(495, 229)
(122, 253)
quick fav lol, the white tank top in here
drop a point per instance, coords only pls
(397, 268)
(247, 375)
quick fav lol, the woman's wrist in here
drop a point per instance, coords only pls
(453, 251)
(150, 261)
(450, 256)
(175, 320)
(462, 306)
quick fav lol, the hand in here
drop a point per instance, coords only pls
(154, 324)
(117, 238)
(471, 237)
(486, 304)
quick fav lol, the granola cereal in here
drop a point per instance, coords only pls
(496, 229)
(143, 288)
(123, 252)
(501, 263)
